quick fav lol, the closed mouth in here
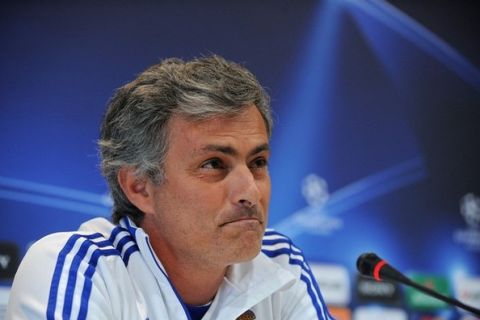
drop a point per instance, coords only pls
(241, 220)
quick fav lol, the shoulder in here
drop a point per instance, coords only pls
(59, 269)
(304, 299)
(62, 251)
(91, 237)
(54, 249)
(281, 249)
(96, 239)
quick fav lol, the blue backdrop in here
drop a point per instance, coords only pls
(376, 144)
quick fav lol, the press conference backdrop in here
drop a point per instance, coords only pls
(376, 145)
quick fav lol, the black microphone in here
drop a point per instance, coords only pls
(372, 266)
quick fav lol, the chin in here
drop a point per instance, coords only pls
(248, 251)
(245, 258)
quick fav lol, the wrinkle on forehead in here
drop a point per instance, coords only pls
(229, 150)
(246, 123)
(189, 140)
(211, 123)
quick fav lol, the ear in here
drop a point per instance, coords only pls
(135, 189)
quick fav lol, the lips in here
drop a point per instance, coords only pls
(245, 214)
(241, 220)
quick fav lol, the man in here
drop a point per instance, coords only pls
(185, 151)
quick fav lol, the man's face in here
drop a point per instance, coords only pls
(212, 206)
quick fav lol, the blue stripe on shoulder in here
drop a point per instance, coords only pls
(79, 256)
(88, 274)
(125, 240)
(126, 256)
(115, 233)
(267, 242)
(313, 297)
(130, 228)
(270, 232)
(127, 226)
(57, 273)
(292, 251)
(72, 274)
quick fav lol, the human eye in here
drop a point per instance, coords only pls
(259, 163)
(212, 164)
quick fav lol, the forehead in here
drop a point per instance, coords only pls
(246, 126)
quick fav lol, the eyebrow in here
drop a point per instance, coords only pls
(228, 150)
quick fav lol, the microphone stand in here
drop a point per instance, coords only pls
(371, 266)
(439, 296)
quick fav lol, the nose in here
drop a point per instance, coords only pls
(244, 190)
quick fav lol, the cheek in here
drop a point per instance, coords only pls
(265, 189)
(202, 200)
(197, 205)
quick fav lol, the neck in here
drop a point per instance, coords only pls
(197, 281)
(196, 287)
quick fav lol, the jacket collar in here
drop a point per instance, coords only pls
(245, 284)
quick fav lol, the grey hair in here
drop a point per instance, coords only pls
(134, 131)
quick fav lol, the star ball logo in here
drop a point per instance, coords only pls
(470, 210)
(315, 218)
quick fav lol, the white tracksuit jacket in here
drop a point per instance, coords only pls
(106, 271)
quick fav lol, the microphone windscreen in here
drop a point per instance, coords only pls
(366, 263)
